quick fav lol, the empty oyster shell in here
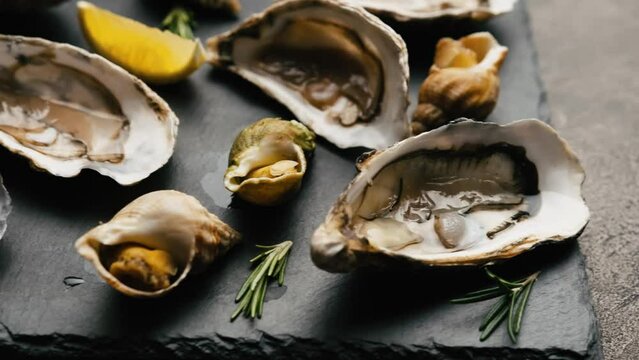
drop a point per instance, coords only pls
(425, 10)
(5, 208)
(66, 109)
(339, 69)
(464, 194)
(155, 242)
(463, 81)
(268, 161)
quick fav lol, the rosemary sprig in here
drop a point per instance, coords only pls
(180, 21)
(271, 265)
(514, 297)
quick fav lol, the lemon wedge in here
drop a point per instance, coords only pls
(152, 54)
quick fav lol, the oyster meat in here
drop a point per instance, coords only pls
(66, 109)
(268, 161)
(467, 193)
(424, 10)
(462, 82)
(155, 242)
(339, 69)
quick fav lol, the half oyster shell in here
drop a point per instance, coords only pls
(339, 69)
(155, 242)
(425, 10)
(66, 110)
(467, 193)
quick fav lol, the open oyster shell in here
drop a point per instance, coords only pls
(268, 161)
(467, 193)
(155, 242)
(5, 208)
(425, 10)
(65, 110)
(339, 69)
(462, 82)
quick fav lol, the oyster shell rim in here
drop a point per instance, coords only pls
(218, 60)
(334, 251)
(477, 14)
(160, 108)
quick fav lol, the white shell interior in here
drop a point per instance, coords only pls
(152, 125)
(389, 125)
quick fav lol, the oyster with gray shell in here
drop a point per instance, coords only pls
(427, 10)
(65, 109)
(467, 193)
(339, 69)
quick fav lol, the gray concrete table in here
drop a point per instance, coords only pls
(368, 314)
(589, 56)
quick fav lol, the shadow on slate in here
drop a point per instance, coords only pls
(369, 314)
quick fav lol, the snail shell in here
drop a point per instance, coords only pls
(463, 82)
(155, 242)
(268, 161)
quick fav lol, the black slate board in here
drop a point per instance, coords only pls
(370, 314)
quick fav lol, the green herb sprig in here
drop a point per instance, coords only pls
(180, 22)
(272, 265)
(514, 297)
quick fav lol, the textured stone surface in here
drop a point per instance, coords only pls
(368, 314)
(589, 60)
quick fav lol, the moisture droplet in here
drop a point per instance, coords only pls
(73, 281)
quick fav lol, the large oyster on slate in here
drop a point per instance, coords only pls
(466, 193)
(155, 242)
(66, 109)
(339, 69)
(424, 10)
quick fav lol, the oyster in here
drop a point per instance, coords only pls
(467, 193)
(424, 10)
(66, 109)
(155, 242)
(463, 81)
(268, 160)
(5, 208)
(339, 69)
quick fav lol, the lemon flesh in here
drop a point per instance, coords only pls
(152, 54)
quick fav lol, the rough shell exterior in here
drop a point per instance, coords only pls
(429, 10)
(391, 123)
(167, 220)
(152, 125)
(336, 247)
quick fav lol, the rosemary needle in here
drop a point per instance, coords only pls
(269, 265)
(514, 297)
